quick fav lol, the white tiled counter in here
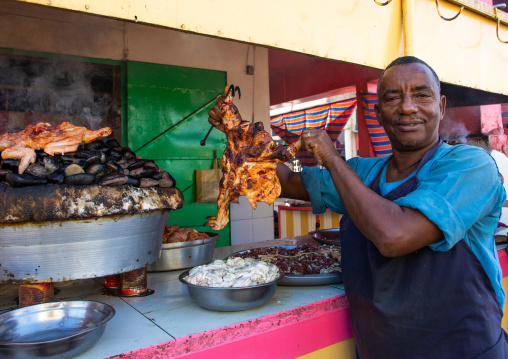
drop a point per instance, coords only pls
(169, 318)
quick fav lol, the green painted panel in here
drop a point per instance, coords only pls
(167, 108)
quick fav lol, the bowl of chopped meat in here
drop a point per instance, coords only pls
(184, 248)
(232, 285)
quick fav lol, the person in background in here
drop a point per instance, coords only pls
(419, 262)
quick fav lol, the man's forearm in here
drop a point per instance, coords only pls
(291, 183)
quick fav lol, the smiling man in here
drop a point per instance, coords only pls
(419, 261)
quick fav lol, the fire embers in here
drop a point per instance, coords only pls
(103, 162)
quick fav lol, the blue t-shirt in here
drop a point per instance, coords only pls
(460, 191)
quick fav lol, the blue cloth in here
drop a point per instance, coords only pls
(460, 191)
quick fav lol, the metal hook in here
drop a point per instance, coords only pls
(497, 28)
(446, 18)
(382, 3)
(232, 89)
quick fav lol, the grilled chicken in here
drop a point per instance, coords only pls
(52, 139)
(249, 163)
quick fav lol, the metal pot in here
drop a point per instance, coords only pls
(78, 249)
(183, 255)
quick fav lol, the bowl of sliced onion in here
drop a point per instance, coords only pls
(232, 285)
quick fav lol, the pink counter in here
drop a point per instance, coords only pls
(322, 327)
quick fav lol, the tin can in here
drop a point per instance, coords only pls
(134, 282)
(113, 281)
(35, 293)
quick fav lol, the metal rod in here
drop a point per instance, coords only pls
(172, 126)
(203, 141)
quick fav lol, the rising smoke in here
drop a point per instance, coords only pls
(55, 91)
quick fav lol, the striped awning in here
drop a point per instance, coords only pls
(331, 117)
(377, 134)
(504, 117)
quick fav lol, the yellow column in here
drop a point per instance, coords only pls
(408, 21)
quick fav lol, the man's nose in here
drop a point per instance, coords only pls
(407, 105)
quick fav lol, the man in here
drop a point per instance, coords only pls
(419, 262)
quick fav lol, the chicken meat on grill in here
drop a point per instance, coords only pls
(249, 163)
(52, 139)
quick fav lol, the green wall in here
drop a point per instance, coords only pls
(167, 117)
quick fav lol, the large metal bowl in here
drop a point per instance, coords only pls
(53, 330)
(78, 249)
(230, 299)
(181, 255)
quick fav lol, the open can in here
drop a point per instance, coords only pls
(134, 282)
(35, 293)
(113, 281)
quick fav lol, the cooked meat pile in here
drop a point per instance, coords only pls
(52, 139)
(248, 163)
(174, 234)
(304, 259)
(71, 155)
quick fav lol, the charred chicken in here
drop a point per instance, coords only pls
(248, 164)
(52, 139)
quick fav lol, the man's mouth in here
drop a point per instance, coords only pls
(409, 125)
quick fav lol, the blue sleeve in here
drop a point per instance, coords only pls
(460, 192)
(321, 189)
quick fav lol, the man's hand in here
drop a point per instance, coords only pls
(320, 145)
(214, 115)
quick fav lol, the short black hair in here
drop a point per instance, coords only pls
(406, 60)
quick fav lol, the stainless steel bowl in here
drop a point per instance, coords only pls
(53, 330)
(230, 299)
(183, 255)
(78, 249)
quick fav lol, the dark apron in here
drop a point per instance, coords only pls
(426, 304)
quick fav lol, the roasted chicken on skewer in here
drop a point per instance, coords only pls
(52, 139)
(248, 164)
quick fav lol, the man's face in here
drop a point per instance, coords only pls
(410, 107)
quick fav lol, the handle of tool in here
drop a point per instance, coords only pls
(203, 141)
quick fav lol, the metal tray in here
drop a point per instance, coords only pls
(78, 249)
(305, 279)
(53, 330)
(311, 279)
(181, 255)
(329, 236)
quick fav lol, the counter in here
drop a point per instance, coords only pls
(297, 322)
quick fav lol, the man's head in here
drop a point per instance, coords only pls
(410, 105)
(405, 60)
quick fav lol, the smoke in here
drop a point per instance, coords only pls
(55, 91)
(453, 130)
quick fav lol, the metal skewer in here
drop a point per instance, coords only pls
(203, 141)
